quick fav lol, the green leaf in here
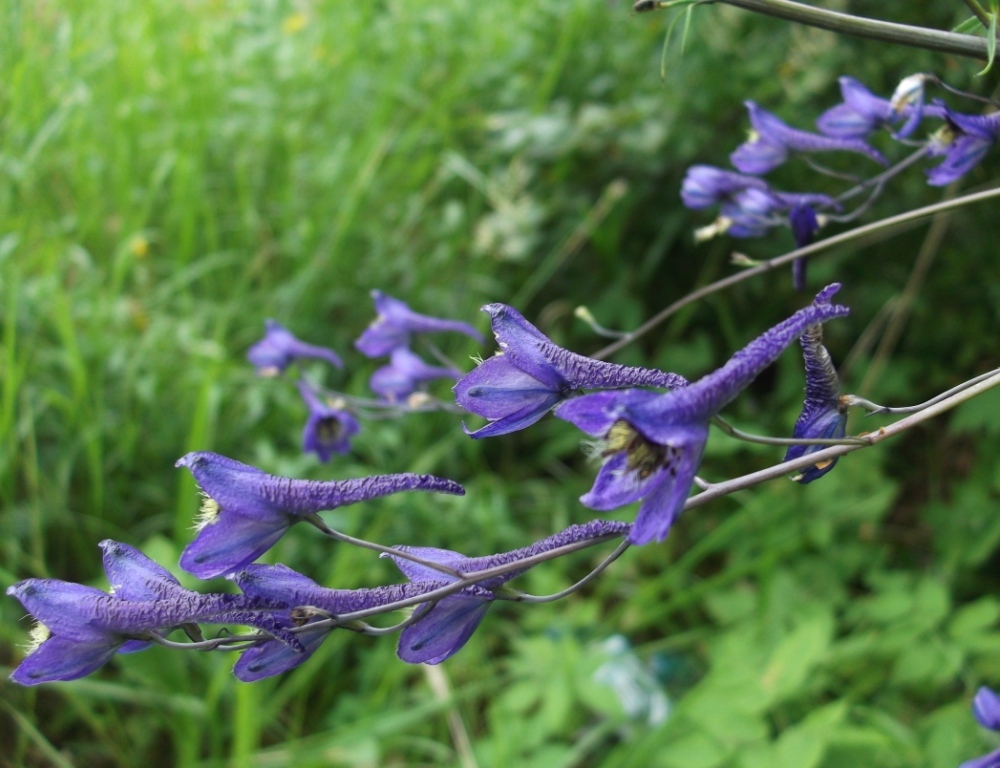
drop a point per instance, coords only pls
(991, 42)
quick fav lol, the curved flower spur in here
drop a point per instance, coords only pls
(246, 510)
(653, 443)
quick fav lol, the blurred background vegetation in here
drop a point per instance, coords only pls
(173, 173)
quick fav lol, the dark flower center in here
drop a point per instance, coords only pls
(329, 429)
(643, 457)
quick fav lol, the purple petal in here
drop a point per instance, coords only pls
(231, 541)
(992, 760)
(65, 608)
(986, 708)
(443, 629)
(272, 657)
(963, 154)
(133, 576)
(60, 658)
(521, 342)
(664, 503)
(416, 572)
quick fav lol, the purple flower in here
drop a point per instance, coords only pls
(653, 443)
(396, 322)
(530, 374)
(964, 141)
(772, 141)
(861, 112)
(824, 414)
(992, 760)
(328, 430)
(298, 597)
(986, 708)
(246, 511)
(404, 374)
(279, 349)
(706, 185)
(80, 628)
(446, 626)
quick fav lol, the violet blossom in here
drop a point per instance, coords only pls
(246, 511)
(396, 323)
(531, 374)
(653, 443)
(279, 349)
(405, 373)
(328, 429)
(772, 141)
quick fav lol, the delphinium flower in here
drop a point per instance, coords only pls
(772, 141)
(79, 628)
(824, 413)
(279, 349)
(304, 602)
(964, 141)
(396, 323)
(404, 375)
(445, 626)
(652, 443)
(328, 429)
(749, 206)
(986, 708)
(531, 374)
(246, 511)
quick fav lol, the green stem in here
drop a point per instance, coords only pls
(885, 31)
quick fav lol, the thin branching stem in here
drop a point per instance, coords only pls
(739, 434)
(809, 250)
(888, 32)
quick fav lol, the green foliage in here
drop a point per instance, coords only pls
(173, 173)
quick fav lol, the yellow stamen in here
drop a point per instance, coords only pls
(38, 635)
(209, 512)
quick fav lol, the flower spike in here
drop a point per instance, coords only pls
(246, 510)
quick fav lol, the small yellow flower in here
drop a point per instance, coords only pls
(294, 23)
(138, 246)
